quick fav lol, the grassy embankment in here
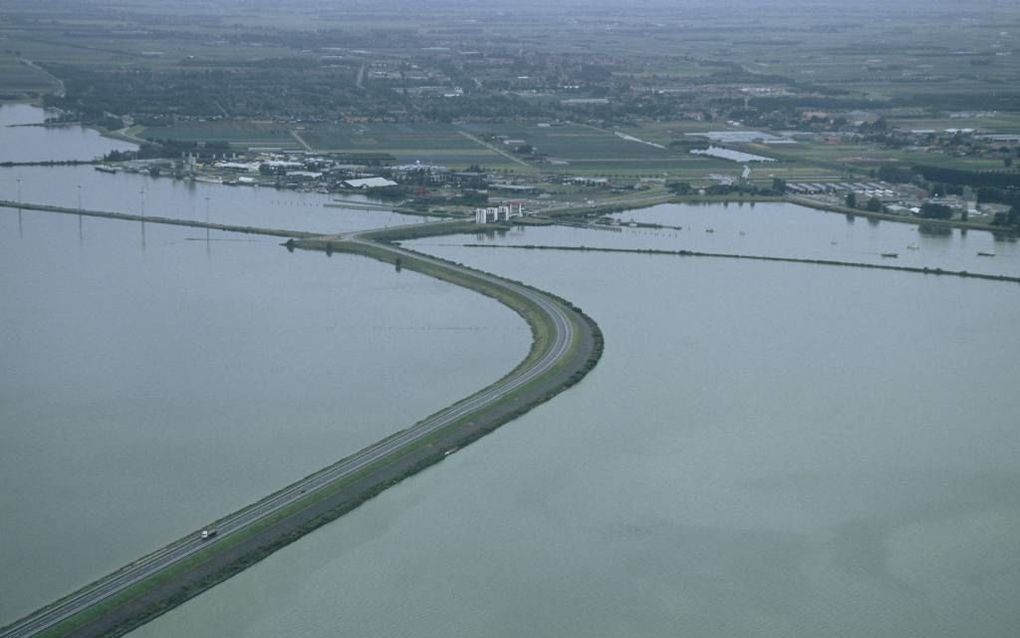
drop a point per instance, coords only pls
(787, 260)
(917, 221)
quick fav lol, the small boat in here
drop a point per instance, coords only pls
(985, 253)
(913, 247)
(709, 230)
(102, 168)
(890, 255)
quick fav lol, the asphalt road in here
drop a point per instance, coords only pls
(239, 521)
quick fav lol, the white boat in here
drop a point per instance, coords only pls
(913, 247)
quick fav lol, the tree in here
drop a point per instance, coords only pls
(895, 174)
(851, 199)
(679, 188)
(931, 210)
(874, 205)
(779, 185)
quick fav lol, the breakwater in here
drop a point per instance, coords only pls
(924, 270)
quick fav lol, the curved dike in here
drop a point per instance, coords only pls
(566, 345)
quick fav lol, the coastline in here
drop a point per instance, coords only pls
(915, 221)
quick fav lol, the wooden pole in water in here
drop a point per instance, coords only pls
(80, 217)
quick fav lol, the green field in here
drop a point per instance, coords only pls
(842, 157)
(19, 78)
(1005, 123)
(588, 150)
(575, 142)
(242, 135)
(436, 143)
(570, 149)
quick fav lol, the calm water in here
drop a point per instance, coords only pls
(38, 144)
(146, 390)
(764, 450)
(785, 230)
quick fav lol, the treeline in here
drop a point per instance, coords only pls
(684, 188)
(47, 163)
(979, 100)
(990, 195)
(154, 96)
(974, 179)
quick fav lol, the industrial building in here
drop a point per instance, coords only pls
(501, 213)
(370, 182)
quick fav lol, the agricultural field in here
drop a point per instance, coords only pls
(18, 78)
(575, 142)
(844, 157)
(260, 77)
(992, 123)
(240, 135)
(428, 143)
(589, 150)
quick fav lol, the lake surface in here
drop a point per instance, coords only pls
(764, 450)
(782, 230)
(41, 144)
(148, 389)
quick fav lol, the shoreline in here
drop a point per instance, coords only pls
(914, 221)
